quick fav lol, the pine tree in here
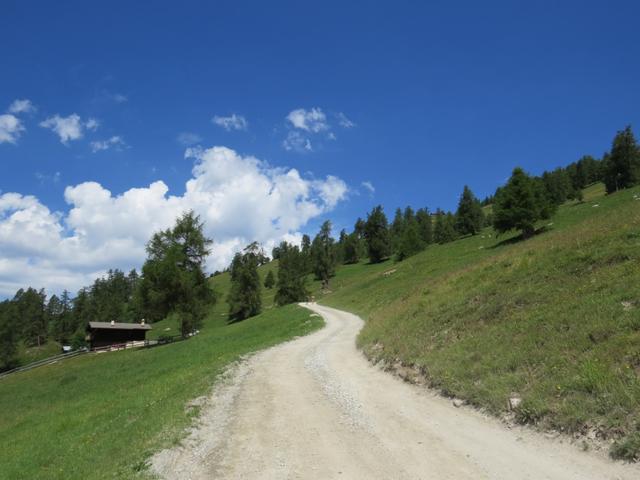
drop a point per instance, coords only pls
(396, 229)
(359, 232)
(469, 216)
(244, 297)
(323, 255)
(520, 204)
(351, 250)
(305, 250)
(425, 225)
(291, 276)
(270, 280)
(410, 242)
(622, 169)
(8, 335)
(444, 230)
(339, 248)
(30, 309)
(377, 235)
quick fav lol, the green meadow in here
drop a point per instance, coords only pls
(103, 415)
(554, 319)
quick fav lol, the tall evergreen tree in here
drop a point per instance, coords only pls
(173, 278)
(8, 335)
(425, 225)
(622, 169)
(323, 255)
(444, 229)
(270, 280)
(469, 216)
(30, 310)
(410, 242)
(291, 276)
(520, 204)
(377, 235)
(396, 229)
(359, 232)
(351, 250)
(244, 297)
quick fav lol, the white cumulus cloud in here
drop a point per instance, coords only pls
(10, 128)
(67, 128)
(232, 122)
(240, 199)
(92, 124)
(313, 120)
(21, 106)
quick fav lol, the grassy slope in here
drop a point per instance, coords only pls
(100, 416)
(545, 318)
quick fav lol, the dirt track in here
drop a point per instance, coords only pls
(314, 408)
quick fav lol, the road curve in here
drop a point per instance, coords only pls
(314, 408)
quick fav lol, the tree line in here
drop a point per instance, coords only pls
(518, 205)
(172, 281)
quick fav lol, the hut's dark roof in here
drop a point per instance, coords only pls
(119, 326)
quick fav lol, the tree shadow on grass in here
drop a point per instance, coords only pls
(520, 238)
(386, 260)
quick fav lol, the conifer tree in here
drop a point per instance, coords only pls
(622, 169)
(305, 250)
(410, 242)
(396, 229)
(323, 255)
(520, 204)
(291, 276)
(8, 335)
(444, 229)
(173, 278)
(270, 280)
(425, 226)
(351, 250)
(358, 231)
(469, 216)
(377, 235)
(244, 295)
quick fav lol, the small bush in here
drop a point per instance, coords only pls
(627, 449)
(530, 412)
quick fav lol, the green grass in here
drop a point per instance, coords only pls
(555, 318)
(103, 415)
(28, 355)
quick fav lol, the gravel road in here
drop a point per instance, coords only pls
(314, 408)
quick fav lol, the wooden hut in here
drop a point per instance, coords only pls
(104, 334)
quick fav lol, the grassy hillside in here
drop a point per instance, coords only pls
(555, 319)
(102, 415)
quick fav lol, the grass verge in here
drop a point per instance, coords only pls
(554, 319)
(103, 415)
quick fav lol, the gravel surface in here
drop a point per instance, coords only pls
(314, 408)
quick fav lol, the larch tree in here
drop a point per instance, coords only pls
(324, 255)
(377, 236)
(622, 168)
(469, 216)
(520, 204)
(244, 296)
(173, 278)
(270, 280)
(291, 285)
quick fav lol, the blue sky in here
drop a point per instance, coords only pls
(416, 98)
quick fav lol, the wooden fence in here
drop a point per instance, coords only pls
(109, 348)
